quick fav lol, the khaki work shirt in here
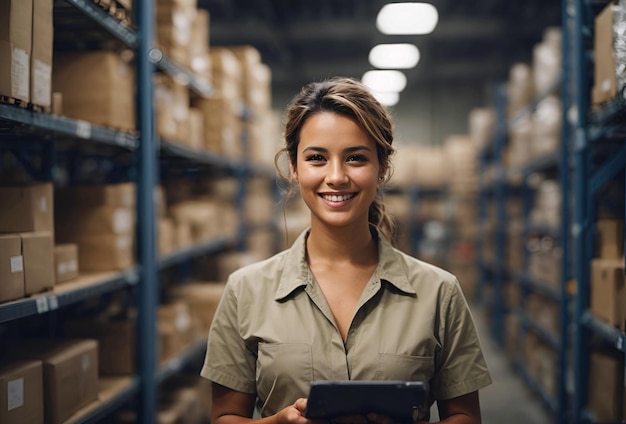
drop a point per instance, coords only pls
(273, 332)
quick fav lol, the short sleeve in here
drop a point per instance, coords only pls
(228, 361)
(460, 364)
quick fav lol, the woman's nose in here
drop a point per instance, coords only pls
(336, 175)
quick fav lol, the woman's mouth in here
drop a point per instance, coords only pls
(337, 198)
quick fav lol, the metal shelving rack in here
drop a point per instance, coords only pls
(494, 269)
(47, 130)
(593, 130)
(557, 162)
(500, 191)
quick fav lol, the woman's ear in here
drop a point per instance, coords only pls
(294, 172)
(382, 172)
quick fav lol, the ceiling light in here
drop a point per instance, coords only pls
(394, 56)
(407, 18)
(388, 80)
(387, 98)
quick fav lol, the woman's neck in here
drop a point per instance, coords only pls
(342, 245)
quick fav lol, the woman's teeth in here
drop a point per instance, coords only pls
(334, 198)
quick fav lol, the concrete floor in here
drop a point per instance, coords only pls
(508, 400)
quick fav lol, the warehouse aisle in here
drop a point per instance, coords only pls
(508, 400)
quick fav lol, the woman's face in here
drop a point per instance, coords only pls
(337, 170)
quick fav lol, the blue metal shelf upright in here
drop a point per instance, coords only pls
(594, 131)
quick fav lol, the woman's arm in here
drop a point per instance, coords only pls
(233, 407)
(460, 410)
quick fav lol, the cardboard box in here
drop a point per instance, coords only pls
(166, 240)
(15, 48)
(38, 254)
(116, 343)
(202, 299)
(11, 267)
(26, 208)
(176, 329)
(105, 252)
(21, 392)
(606, 386)
(608, 291)
(70, 371)
(605, 78)
(610, 238)
(65, 262)
(74, 224)
(222, 126)
(41, 57)
(106, 97)
(122, 194)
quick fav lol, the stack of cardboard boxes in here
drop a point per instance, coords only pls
(26, 51)
(607, 396)
(26, 240)
(48, 380)
(106, 97)
(100, 219)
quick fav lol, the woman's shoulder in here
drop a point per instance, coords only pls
(413, 265)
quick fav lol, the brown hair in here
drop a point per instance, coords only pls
(350, 98)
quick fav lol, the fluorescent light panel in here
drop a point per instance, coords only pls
(388, 98)
(407, 18)
(385, 80)
(394, 56)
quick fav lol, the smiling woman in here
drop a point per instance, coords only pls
(330, 307)
(337, 170)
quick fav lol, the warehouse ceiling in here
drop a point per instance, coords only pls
(475, 41)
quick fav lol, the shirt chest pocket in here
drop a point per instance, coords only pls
(403, 367)
(283, 371)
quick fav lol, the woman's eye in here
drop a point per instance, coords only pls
(357, 158)
(315, 158)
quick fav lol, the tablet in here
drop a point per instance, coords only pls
(398, 400)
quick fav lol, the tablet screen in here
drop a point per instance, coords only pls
(398, 400)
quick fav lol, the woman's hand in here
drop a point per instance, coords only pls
(294, 414)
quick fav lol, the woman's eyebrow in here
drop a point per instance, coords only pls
(346, 150)
(315, 149)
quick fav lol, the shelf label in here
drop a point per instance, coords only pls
(83, 129)
(42, 305)
(15, 394)
(53, 303)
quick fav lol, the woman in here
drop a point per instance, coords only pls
(341, 303)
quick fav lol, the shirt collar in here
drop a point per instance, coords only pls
(296, 273)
